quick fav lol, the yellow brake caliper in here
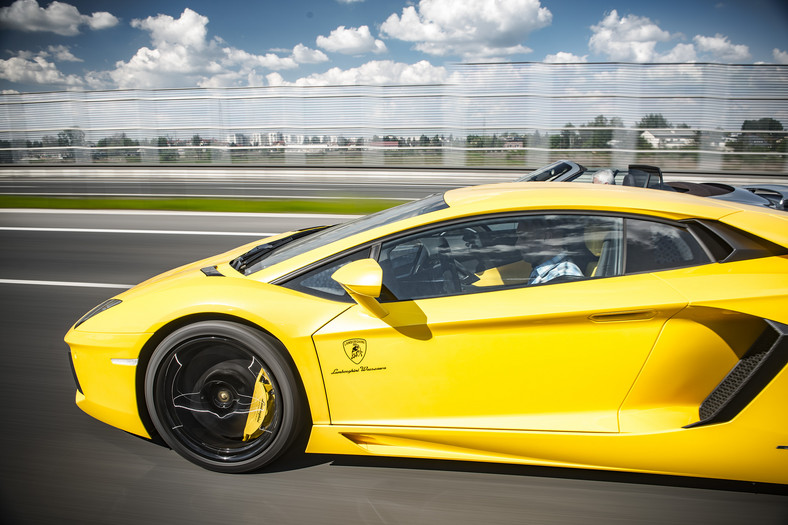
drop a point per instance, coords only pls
(259, 414)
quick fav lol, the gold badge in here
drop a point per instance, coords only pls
(355, 349)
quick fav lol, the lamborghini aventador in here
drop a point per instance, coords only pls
(575, 325)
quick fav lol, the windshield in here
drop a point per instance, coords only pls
(340, 231)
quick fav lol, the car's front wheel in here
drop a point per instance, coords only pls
(224, 396)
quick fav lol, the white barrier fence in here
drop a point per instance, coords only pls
(692, 117)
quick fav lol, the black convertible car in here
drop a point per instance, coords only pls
(644, 176)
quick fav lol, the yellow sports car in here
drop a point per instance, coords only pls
(553, 324)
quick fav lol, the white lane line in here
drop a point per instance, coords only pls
(64, 283)
(246, 184)
(152, 232)
(54, 211)
(247, 196)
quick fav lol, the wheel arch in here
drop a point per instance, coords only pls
(153, 342)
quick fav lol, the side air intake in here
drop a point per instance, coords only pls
(759, 365)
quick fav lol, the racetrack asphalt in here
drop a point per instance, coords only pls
(61, 466)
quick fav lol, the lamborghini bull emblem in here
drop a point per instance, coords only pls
(355, 349)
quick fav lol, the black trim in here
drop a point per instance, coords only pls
(294, 284)
(74, 373)
(717, 248)
(654, 173)
(763, 361)
(106, 305)
(211, 271)
(375, 244)
(295, 274)
(374, 251)
(246, 262)
(744, 245)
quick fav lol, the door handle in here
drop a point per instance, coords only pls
(629, 315)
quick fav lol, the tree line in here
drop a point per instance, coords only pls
(758, 135)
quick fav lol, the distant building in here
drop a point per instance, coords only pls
(669, 138)
(239, 139)
(752, 140)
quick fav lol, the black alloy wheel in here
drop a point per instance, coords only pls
(224, 396)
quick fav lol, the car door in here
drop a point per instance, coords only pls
(460, 348)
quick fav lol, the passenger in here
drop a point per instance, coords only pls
(543, 257)
(540, 243)
(603, 177)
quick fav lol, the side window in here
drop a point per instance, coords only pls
(603, 238)
(419, 266)
(319, 282)
(654, 246)
(501, 252)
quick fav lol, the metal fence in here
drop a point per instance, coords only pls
(704, 117)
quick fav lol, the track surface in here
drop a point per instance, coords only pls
(60, 466)
(262, 183)
(275, 183)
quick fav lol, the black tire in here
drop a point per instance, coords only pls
(199, 390)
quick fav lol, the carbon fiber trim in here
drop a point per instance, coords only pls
(74, 373)
(211, 271)
(765, 358)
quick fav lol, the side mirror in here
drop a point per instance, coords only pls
(363, 281)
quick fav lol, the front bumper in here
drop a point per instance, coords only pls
(105, 369)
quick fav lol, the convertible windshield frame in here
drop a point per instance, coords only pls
(325, 236)
(561, 170)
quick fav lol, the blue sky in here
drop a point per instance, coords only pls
(89, 45)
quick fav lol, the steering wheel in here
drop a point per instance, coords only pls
(448, 268)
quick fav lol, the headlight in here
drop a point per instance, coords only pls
(109, 303)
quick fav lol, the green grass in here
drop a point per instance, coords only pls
(355, 207)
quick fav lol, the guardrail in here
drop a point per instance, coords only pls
(690, 117)
(305, 175)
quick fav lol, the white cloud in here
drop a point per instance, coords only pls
(680, 53)
(28, 55)
(635, 38)
(170, 66)
(58, 17)
(468, 28)
(781, 57)
(562, 57)
(275, 79)
(60, 53)
(305, 55)
(351, 41)
(36, 70)
(98, 80)
(627, 39)
(102, 20)
(188, 30)
(63, 54)
(720, 48)
(226, 79)
(249, 60)
(182, 55)
(376, 72)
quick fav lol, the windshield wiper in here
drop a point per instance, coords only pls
(261, 251)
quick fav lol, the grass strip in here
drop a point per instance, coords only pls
(353, 207)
